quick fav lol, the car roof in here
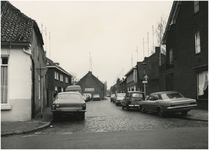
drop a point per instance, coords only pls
(70, 93)
(135, 92)
(164, 92)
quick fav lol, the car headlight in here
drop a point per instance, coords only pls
(53, 106)
(84, 106)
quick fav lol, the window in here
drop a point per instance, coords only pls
(197, 43)
(61, 77)
(66, 79)
(4, 80)
(196, 6)
(171, 56)
(56, 75)
(203, 84)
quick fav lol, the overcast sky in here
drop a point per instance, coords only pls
(108, 32)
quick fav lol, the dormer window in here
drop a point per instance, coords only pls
(197, 43)
(196, 6)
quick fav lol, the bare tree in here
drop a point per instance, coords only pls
(161, 25)
(74, 78)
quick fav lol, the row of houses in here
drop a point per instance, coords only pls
(29, 80)
(184, 68)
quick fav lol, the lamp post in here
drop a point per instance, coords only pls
(145, 77)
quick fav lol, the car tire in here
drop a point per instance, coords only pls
(55, 116)
(143, 109)
(184, 113)
(122, 107)
(82, 116)
(161, 113)
(127, 108)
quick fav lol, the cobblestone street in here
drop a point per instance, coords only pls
(105, 116)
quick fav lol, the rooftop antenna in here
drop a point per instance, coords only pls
(153, 39)
(137, 53)
(46, 39)
(131, 60)
(148, 42)
(143, 48)
(90, 62)
(50, 45)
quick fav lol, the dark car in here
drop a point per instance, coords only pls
(168, 102)
(119, 97)
(112, 98)
(96, 97)
(132, 99)
(69, 103)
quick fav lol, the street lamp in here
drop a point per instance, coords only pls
(144, 81)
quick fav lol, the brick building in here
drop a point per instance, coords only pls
(57, 80)
(186, 39)
(150, 67)
(91, 85)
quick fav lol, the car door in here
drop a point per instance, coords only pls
(146, 103)
(153, 103)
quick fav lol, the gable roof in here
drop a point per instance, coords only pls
(89, 73)
(51, 64)
(172, 19)
(16, 26)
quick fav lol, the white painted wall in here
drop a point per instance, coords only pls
(19, 87)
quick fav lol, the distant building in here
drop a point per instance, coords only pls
(91, 85)
(57, 80)
(131, 79)
(23, 66)
(186, 39)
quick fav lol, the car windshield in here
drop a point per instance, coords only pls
(137, 95)
(171, 96)
(121, 94)
(69, 97)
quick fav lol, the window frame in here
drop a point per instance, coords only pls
(196, 7)
(61, 77)
(6, 106)
(171, 56)
(197, 42)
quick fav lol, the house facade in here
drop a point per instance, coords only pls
(186, 39)
(91, 85)
(23, 91)
(131, 79)
(57, 80)
(148, 70)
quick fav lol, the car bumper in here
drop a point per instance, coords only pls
(67, 111)
(131, 105)
(181, 108)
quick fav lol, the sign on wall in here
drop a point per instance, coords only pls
(89, 89)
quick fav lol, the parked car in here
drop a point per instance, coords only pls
(132, 99)
(73, 88)
(69, 103)
(118, 98)
(96, 97)
(112, 97)
(168, 102)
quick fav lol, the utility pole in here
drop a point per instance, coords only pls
(153, 39)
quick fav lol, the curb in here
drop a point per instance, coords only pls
(29, 131)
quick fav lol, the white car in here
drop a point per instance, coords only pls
(167, 102)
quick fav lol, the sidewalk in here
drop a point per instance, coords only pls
(19, 127)
(12, 128)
